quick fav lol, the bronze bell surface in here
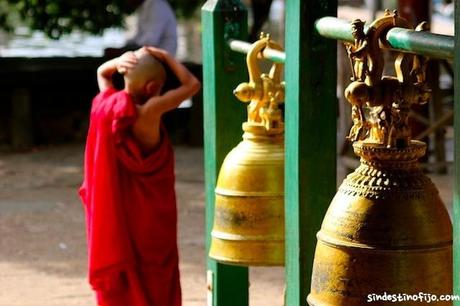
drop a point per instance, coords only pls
(249, 209)
(386, 230)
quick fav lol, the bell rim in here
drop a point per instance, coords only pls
(273, 239)
(343, 244)
(226, 260)
(239, 194)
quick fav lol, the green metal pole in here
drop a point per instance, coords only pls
(311, 104)
(424, 43)
(270, 54)
(406, 40)
(335, 28)
(223, 114)
(456, 203)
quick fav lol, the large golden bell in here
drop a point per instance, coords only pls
(386, 238)
(249, 209)
(386, 231)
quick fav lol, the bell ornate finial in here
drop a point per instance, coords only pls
(381, 105)
(264, 91)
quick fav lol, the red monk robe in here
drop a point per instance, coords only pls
(130, 206)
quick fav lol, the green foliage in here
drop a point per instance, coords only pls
(7, 15)
(57, 17)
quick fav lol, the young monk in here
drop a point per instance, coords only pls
(128, 189)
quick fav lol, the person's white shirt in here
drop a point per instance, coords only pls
(156, 26)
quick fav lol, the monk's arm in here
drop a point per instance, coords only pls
(189, 85)
(146, 128)
(104, 73)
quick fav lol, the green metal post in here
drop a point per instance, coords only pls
(456, 204)
(311, 106)
(223, 69)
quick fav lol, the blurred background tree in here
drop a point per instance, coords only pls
(58, 17)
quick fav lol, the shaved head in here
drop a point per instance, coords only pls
(147, 69)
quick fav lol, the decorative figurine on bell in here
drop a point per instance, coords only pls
(249, 210)
(386, 230)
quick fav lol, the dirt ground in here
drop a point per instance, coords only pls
(42, 233)
(42, 242)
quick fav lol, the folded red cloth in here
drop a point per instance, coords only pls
(130, 207)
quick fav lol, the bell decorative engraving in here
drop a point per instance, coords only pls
(249, 211)
(386, 230)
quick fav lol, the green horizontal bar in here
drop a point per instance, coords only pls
(270, 54)
(405, 40)
(425, 43)
(335, 28)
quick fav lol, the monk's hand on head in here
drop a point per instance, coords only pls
(126, 61)
(160, 54)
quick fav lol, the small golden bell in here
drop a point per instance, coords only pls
(249, 211)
